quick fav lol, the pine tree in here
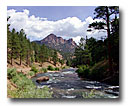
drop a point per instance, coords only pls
(82, 53)
(55, 57)
(105, 12)
(8, 42)
(42, 54)
(36, 51)
(23, 44)
(15, 45)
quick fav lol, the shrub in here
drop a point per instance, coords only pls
(50, 68)
(83, 71)
(26, 88)
(63, 67)
(34, 69)
(93, 94)
(90, 94)
(97, 74)
(44, 70)
(57, 68)
(31, 73)
(11, 72)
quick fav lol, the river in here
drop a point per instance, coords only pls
(67, 84)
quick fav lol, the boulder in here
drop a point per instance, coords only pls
(42, 79)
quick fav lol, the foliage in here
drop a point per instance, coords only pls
(50, 68)
(97, 74)
(82, 54)
(105, 12)
(83, 71)
(11, 73)
(34, 69)
(20, 47)
(93, 94)
(89, 95)
(26, 88)
(63, 67)
(43, 53)
(92, 52)
(44, 70)
(61, 61)
(115, 43)
(68, 63)
(55, 57)
(31, 73)
(57, 69)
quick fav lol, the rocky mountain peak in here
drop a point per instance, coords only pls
(59, 43)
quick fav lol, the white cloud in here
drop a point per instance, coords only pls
(38, 28)
(77, 39)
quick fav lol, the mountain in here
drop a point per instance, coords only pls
(58, 43)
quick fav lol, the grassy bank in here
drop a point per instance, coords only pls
(19, 86)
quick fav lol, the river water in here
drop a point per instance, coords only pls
(67, 84)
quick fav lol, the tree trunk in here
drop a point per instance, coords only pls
(11, 60)
(20, 60)
(11, 57)
(27, 59)
(109, 43)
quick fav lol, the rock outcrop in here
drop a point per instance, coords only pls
(58, 43)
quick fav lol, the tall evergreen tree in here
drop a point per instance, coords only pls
(36, 51)
(42, 53)
(55, 57)
(105, 13)
(15, 45)
(82, 53)
(115, 43)
(23, 45)
(9, 42)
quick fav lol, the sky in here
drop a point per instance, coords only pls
(64, 21)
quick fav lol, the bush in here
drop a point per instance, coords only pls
(97, 74)
(11, 72)
(25, 88)
(90, 94)
(83, 71)
(63, 67)
(44, 70)
(50, 68)
(34, 69)
(93, 94)
(31, 73)
(57, 69)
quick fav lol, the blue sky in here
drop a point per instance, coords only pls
(64, 21)
(58, 12)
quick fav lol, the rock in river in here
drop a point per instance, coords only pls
(42, 79)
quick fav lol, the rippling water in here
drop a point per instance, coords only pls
(67, 84)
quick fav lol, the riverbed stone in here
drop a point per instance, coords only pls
(42, 79)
